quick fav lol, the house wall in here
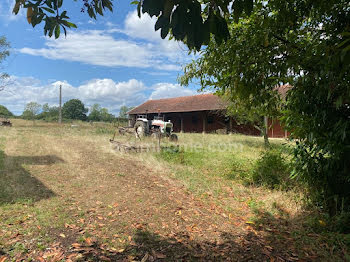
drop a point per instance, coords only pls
(276, 129)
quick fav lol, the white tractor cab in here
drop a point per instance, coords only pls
(157, 127)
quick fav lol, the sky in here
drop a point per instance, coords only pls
(114, 61)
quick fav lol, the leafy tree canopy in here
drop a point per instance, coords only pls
(308, 49)
(5, 112)
(49, 113)
(4, 53)
(95, 113)
(100, 114)
(74, 109)
(31, 110)
(124, 110)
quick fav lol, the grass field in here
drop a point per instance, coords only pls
(66, 195)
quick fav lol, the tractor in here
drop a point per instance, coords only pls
(5, 122)
(156, 128)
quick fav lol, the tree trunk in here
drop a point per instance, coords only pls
(266, 138)
(265, 132)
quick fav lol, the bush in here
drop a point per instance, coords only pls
(272, 170)
(341, 223)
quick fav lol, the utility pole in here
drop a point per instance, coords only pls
(60, 107)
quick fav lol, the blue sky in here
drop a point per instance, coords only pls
(115, 60)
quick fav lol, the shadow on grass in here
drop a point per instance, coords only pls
(148, 246)
(273, 243)
(17, 184)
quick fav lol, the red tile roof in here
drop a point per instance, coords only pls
(180, 104)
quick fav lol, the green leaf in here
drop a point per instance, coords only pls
(57, 31)
(48, 10)
(139, 10)
(161, 22)
(164, 32)
(248, 6)
(16, 7)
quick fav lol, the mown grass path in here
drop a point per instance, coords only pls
(66, 196)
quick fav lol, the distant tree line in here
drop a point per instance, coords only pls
(73, 109)
(4, 112)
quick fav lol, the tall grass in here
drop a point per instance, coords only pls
(220, 166)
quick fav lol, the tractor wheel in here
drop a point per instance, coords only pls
(173, 138)
(140, 129)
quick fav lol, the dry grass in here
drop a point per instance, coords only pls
(64, 185)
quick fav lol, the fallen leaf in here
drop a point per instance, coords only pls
(3, 259)
(158, 255)
(62, 235)
(88, 241)
(40, 259)
(144, 259)
(103, 258)
(76, 245)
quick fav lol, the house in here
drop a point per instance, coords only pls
(199, 113)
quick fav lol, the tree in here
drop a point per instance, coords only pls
(31, 110)
(124, 110)
(46, 108)
(106, 116)
(5, 112)
(100, 114)
(74, 109)
(95, 113)
(49, 113)
(306, 45)
(4, 53)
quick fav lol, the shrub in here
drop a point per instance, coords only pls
(272, 170)
(341, 223)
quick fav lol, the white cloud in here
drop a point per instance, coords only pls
(102, 48)
(96, 48)
(167, 90)
(6, 7)
(105, 92)
(142, 28)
